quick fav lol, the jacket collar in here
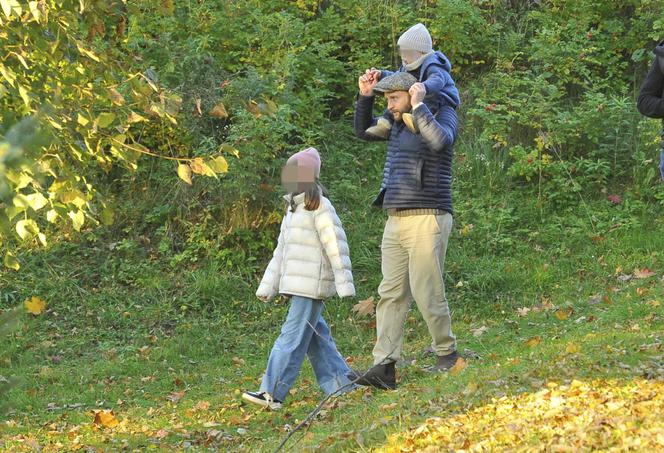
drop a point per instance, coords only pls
(297, 199)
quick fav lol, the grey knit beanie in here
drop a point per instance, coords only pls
(417, 38)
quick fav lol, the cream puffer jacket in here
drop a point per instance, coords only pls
(311, 258)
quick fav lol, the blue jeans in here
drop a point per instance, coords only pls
(304, 332)
(661, 163)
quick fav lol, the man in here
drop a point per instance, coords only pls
(416, 192)
(651, 98)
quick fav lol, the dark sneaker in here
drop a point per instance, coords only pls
(445, 362)
(379, 376)
(263, 399)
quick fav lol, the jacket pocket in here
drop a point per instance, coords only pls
(419, 174)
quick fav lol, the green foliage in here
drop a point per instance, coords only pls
(548, 106)
(63, 62)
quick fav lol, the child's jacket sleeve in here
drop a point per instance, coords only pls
(269, 286)
(332, 236)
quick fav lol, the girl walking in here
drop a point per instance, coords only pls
(310, 264)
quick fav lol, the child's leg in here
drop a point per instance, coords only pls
(383, 125)
(329, 366)
(289, 350)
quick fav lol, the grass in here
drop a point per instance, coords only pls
(537, 296)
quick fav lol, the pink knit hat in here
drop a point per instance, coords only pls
(306, 158)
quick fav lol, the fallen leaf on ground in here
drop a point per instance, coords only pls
(643, 273)
(175, 396)
(365, 307)
(590, 416)
(35, 305)
(572, 348)
(564, 313)
(523, 311)
(534, 341)
(105, 418)
(479, 331)
(459, 366)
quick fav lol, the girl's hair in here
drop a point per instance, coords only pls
(312, 196)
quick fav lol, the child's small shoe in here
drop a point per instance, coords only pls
(381, 129)
(263, 399)
(409, 121)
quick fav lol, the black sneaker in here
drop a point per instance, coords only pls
(263, 399)
(379, 376)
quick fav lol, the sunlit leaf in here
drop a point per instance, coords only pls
(105, 419)
(563, 313)
(24, 95)
(459, 365)
(219, 111)
(26, 228)
(8, 74)
(34, 10)
(116, 97)
(218, 164)
(534, 341)
(77, 218)
(52, 215)
(81, 119)
(105, 119)
(184, 173)
(9, 6)
(225, 148)
(87, 53)
(35, 305)
(11, 262)
(135, 118)
(198, 166)
(643, 273)
(365, 307)
(572, 348)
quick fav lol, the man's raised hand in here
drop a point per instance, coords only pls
(367, 81)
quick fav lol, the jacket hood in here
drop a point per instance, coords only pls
(659, 50)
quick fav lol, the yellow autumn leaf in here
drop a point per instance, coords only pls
(572, 348)
(34, 305)
(564, 313)
(465, 231)
(105, 418)
(219, 111)
(226, 148)
(534, 341)
(459, 366)
(116, 97)
(77, 218)
(582, 416)
(184, 173)
(11, 262)
(198, 166)
(135, 118)
(218, 164)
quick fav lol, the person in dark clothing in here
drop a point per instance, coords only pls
(651, 97)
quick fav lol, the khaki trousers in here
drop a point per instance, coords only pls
(413, 261)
